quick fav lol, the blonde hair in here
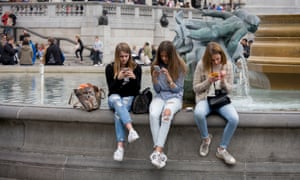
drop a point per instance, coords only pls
(122, 47)
(211, 49)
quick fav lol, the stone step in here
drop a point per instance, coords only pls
(31, 165)
(278, 30)
(275, 49)
(283, 65)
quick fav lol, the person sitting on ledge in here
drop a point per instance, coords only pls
(214, 61)
(168, 72)
(123, 78)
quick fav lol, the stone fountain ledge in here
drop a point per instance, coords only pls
(271, 119)
(49, 142)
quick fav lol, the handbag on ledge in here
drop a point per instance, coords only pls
(141, 102)
(88, 97)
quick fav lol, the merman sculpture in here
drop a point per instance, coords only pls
(225, 28)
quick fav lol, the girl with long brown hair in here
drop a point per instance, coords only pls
(123, 78)
(214, 72)
(168, 73)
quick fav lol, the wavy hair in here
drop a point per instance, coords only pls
(211, 49)
(176, 65)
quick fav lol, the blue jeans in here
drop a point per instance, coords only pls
(228, 112)
(160, 124)
(121, 106)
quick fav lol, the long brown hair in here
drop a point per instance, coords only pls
(175, 64)
(211, 49)
(117, 65)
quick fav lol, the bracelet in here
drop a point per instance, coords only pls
(171, 83)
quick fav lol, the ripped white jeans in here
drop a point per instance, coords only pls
(159, 121)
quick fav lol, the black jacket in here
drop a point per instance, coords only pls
(116, 86)
(8, 54)
(53, 55)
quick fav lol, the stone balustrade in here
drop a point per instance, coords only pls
(134, 24)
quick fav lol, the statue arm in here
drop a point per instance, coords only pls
(235, 40)
(218, 14)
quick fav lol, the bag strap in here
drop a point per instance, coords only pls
(145, 90)
(102, 92)
(77, 104)
(212, 72)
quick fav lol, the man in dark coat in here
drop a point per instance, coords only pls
(53, 54)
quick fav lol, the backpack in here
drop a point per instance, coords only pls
(88, 97)
(141, 102)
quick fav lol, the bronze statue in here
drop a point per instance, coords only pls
(225, 28)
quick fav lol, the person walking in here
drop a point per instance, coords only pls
(168, 73)
(79, 48)
(123, 78)
(214, 62)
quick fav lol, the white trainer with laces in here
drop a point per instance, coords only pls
(155, 159)
(158, 159)
(226, 156)
(163, 159)
(132, 136)
(119, 154)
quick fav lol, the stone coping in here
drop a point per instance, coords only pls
(71, 68)
(271, 119)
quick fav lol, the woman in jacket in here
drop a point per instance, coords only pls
(26, 53)
(214, 72)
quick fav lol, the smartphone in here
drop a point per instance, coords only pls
(125, 69)
(156, 68)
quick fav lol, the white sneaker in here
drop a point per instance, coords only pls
(163, 159)
(132, 136)
(119, 154)
(204, 147)
(155, 159)
(226, 156)
(158, 159)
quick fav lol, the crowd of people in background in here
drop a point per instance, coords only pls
(25, 52)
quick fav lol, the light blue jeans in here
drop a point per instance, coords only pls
(228, 112)
(160, 124)
(121, 106)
